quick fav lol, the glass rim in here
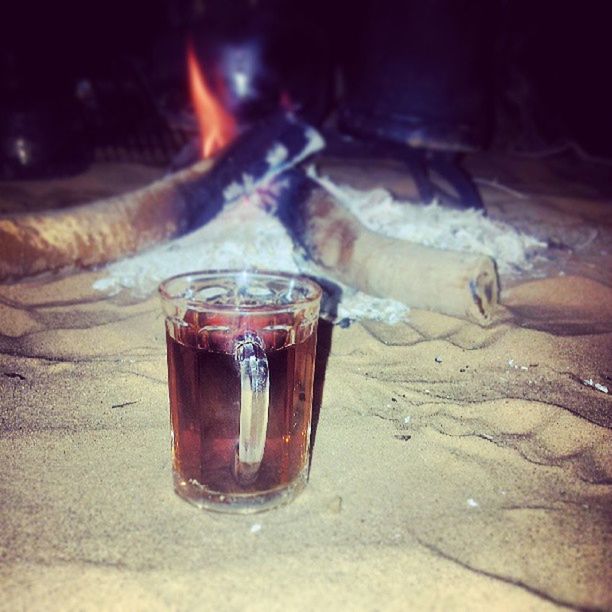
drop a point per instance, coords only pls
(313, 298)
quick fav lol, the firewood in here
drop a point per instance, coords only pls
(99, 232)
(449, 282)
(103, 231)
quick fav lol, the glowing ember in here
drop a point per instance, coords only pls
(217, 127)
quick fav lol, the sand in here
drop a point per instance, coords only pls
(454, 466)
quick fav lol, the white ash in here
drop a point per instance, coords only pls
(225, 242)
(278, 161)
(516, 366)
(236, 190)
(277, 155)
(243, 236)
(437, 226)
(589, 382)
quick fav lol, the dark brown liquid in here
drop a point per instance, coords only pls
(205, 411)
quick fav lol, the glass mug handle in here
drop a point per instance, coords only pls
(254, 399)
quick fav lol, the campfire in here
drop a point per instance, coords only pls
(269, 161)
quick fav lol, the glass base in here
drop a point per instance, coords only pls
(238, 503)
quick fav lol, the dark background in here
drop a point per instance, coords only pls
(541, 69)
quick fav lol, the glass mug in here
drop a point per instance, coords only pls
(241, 353)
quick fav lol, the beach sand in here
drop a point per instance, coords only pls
(454, 466)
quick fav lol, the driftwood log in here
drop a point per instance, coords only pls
(450, 282)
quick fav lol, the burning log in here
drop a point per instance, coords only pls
(449, 282)
(103, 231)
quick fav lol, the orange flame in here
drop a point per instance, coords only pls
(217, 127)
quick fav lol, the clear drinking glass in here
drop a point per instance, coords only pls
(241, 353)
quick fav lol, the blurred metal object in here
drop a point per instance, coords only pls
(42, 141)
(265, 58)
(419, 74)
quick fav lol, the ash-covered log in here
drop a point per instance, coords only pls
(106, 230)
(449, 282)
